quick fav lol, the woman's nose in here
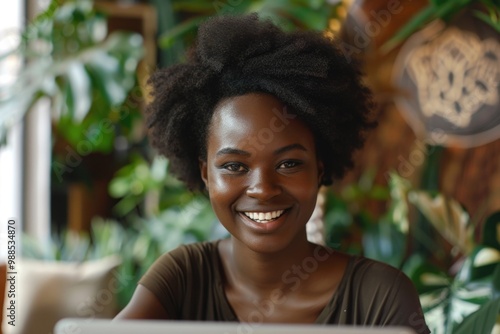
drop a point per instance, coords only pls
(263, 186)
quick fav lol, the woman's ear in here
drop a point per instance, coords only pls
(203, 171)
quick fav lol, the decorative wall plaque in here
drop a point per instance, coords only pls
(449, 79)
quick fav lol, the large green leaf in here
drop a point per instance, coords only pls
(425, 276)
(446, 305)
(79, 91)
(481, 321)
(18, 97)
(70, 62)
(480, 263)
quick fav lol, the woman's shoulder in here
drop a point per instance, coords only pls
(366, 268)
(196, 247)
(178, 277)
(365, 276)
(383, 294)
(381, 281)
(191, 253)
(182, 263)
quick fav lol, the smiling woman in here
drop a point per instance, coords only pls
(249, 186)
(260, 119)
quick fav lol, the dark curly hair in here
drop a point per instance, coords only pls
(236, 55)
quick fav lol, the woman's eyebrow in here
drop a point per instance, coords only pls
(289, 148)
(230, 150)
(281, 150)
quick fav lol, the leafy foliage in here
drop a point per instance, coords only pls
(382, 239)
(483, 320)
(69, 60)
(290, 14)
(444, 9)
(447, 298)
(475, 285)
(138, 244)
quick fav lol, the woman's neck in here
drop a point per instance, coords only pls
(262, 273)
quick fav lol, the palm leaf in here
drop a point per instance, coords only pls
(417, 22)
(493, 16)
(436, 9)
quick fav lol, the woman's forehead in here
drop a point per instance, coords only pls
(257, 119)
(253, 107)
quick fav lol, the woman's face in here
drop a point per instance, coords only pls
(262, 172)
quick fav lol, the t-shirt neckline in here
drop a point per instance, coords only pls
(231, 314)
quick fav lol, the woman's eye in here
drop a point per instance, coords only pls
(234, 167)
(289, 164)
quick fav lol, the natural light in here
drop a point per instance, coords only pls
(11, 19)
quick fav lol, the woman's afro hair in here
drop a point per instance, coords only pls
(237, 55)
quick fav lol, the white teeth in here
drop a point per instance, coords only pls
(263, 217)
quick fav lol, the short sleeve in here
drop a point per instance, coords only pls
(187, 283)
(166, 279)
(389, 298)
(403, 307)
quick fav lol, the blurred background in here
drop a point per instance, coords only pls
(90, 205)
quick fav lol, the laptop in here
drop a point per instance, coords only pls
(101, 326)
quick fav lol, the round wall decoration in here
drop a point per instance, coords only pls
(449, 78)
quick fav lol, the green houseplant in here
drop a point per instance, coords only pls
(454, 302)
(84, 72)
(463, 298)
(291, 14)
(155, 214)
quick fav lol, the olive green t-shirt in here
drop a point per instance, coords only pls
(188, 281)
